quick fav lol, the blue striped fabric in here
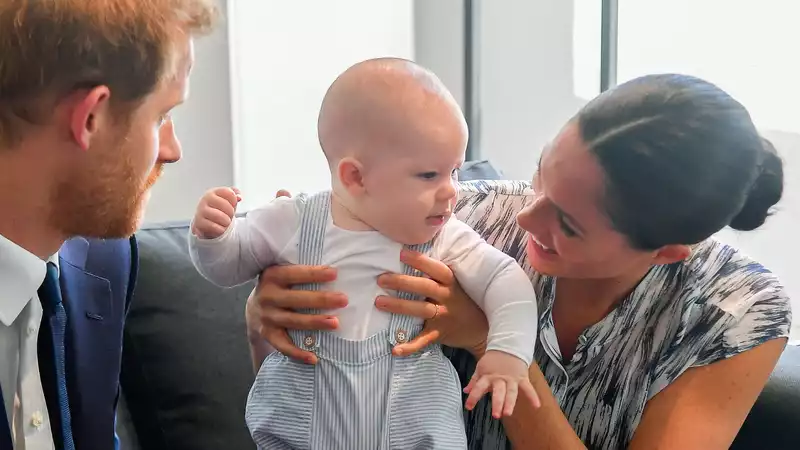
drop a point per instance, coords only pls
(358, 396)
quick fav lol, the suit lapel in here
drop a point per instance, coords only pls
(87, 297)
(89, 339)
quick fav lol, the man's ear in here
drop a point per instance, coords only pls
(351, 175)
(670, 254)
(88, 112)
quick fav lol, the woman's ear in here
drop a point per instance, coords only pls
(351, 175)
(670, 254)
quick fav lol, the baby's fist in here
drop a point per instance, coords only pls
(215, 212)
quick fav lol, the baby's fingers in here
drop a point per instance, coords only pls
(512, 390)
(498, 397)
(530, 392)
(477, 391)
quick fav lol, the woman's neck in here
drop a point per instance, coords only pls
(596, 298)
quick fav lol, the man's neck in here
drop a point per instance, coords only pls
(25, 210)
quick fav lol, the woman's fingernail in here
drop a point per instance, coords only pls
(332, 322)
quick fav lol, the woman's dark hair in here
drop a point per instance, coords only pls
(682, 160)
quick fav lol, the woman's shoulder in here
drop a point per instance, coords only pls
(728, 302)
(721, 276)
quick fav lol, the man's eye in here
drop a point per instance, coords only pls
(428, 175)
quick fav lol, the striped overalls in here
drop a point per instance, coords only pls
(358, 396)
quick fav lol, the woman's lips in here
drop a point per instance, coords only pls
(539, 248)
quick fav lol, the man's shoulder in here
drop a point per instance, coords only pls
(90, 253)
(115, 260)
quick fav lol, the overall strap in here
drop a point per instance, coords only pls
(404, 328)
(314, 213)
(5, 425)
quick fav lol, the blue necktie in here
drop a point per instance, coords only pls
(56, 315)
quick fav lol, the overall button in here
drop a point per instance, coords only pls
(401, 336)
(309, 341)
(37, 420)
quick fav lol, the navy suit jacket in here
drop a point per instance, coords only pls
(97, 279)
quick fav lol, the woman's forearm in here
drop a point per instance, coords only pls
(540, 428)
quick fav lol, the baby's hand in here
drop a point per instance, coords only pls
(215, 212)
(504, 375)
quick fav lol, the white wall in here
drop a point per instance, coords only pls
(439, 41)
(285, 56)
(204, 128)
(526, 80)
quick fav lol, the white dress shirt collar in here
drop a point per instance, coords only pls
(21, 274)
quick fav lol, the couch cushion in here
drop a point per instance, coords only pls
(186, 367)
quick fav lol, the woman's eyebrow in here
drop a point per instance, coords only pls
(561, 211)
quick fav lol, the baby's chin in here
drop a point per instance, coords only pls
(417, 237)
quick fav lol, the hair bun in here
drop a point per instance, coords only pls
(765, 193)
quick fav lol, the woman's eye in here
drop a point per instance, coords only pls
(428, 175)
(568, 230)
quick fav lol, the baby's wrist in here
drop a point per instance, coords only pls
(478, 351)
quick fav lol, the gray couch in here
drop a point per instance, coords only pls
(186, 367)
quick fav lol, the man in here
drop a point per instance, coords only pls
(86, 88)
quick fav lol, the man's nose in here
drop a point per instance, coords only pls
(169, 150)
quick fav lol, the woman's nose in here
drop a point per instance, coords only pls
(533, 215)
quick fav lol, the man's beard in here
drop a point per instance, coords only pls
(106, 201)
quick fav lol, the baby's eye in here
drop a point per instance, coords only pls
(428, 175)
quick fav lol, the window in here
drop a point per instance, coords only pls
(752, 51)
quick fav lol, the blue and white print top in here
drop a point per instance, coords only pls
(714, 305)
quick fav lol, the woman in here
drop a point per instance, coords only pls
(656, 336)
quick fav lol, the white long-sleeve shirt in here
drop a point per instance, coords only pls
(269, 235)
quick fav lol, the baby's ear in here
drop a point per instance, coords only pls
(351, 175)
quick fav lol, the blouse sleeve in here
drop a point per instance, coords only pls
(730, 306)
(758, 311)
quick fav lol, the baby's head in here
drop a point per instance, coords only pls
(394, 138)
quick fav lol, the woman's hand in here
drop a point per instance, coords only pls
(452, 318)
(273, 305)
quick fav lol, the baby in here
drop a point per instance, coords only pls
(394, 138)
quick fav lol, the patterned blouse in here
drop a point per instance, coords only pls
(714, 305)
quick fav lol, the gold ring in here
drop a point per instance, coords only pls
(435, 311)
